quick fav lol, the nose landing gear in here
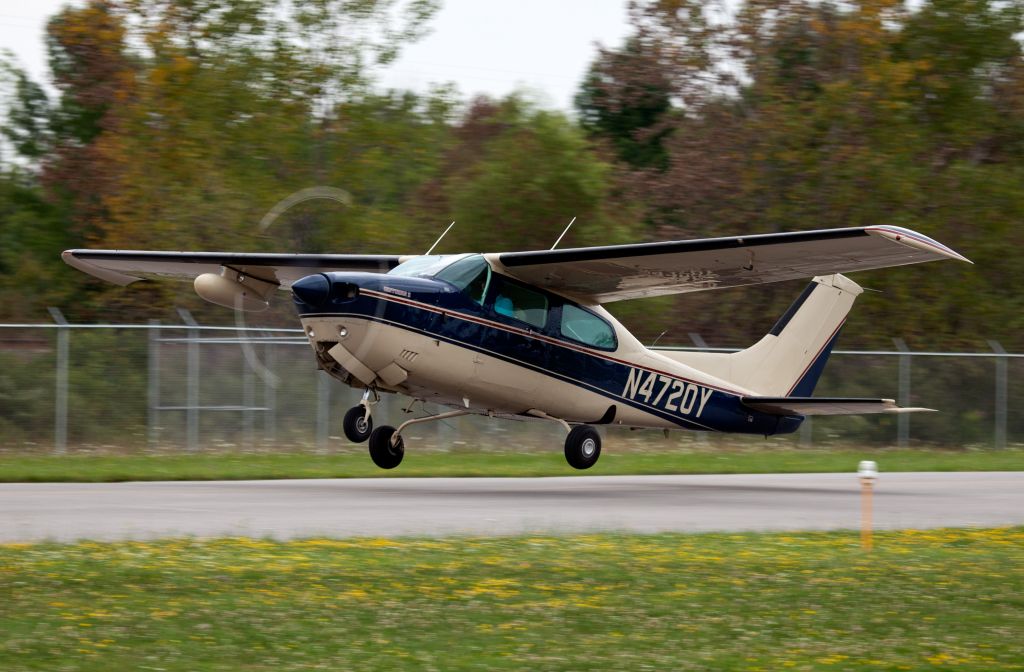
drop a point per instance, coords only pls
(358, 422)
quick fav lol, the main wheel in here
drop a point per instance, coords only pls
(357, 424)
(384, 452)
(582, 447)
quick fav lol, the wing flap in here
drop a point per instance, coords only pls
(126, 266)
(825, 406)
(619, 272)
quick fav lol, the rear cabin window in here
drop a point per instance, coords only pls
(522, 304)
(585, 327)
(471, 275)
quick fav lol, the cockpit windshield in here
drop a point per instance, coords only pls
(426, 266)
(471, 274)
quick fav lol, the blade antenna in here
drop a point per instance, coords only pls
(442, 236)
(563, 234)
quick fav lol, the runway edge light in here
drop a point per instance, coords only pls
(868, 472)
(867, 469)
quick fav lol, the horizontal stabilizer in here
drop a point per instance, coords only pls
(825, 406)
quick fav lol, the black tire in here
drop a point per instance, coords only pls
(356, 425)
(382, 452)
(582, 447)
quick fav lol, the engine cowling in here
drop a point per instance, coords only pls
(232, 289)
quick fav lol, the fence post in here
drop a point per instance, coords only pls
(323, 408)
(153, 383)
(1001, 395)
(903, 419)
(269, 395)
(248, 399)
(192, 402)
(60, 411)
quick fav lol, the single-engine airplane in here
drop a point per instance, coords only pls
(522, 335)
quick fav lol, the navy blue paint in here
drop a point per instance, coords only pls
(805, 386)
(723, 411)
(791, 311)
(312, 290)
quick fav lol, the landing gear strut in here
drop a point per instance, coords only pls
(582, 447)
(386, 445)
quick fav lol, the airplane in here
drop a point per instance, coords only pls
(525, 335)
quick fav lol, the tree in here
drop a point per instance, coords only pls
(798, 114)
(515, 176)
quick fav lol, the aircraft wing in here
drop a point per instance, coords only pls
(618, 272)
(825, 406)
(126, 266)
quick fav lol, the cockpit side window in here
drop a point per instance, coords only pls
(522, 304)
(586, 327)
(472, 275)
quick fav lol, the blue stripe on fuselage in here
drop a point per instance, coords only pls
(452, 318)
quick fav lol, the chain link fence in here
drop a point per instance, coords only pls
(186, 387)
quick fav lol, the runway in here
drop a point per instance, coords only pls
(485, 506)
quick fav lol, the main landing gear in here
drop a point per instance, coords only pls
(582, 447)
(387, 448)
(386, 445)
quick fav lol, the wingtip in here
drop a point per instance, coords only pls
(71, 259)
(920, 241)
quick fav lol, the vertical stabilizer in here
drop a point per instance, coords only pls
(789, 359)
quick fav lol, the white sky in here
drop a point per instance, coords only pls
(484, 46)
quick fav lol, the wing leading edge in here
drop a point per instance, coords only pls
(615, 273)
(126, 266)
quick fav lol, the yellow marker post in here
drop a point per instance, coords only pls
(868, 472)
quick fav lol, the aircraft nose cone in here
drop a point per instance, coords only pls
(312, 290)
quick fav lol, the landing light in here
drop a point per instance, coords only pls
(311, 334)
(342, 332)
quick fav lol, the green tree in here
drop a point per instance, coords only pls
(515, 176)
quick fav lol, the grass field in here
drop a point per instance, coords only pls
(235, 466)
(922, 600)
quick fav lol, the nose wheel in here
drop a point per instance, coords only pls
(582, 447)
(358, 424)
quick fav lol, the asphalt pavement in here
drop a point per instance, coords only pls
(483, 506)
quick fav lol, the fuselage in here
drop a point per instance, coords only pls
(458, 332)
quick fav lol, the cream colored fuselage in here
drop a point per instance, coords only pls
(424, 367)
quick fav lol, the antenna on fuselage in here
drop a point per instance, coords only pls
(563, 234)
(659, 338)
(442, 236)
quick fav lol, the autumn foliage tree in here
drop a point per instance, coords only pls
(792, 115)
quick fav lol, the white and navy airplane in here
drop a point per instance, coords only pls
(524, 335)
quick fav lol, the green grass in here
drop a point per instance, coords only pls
(237, 465)
(922, 600)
